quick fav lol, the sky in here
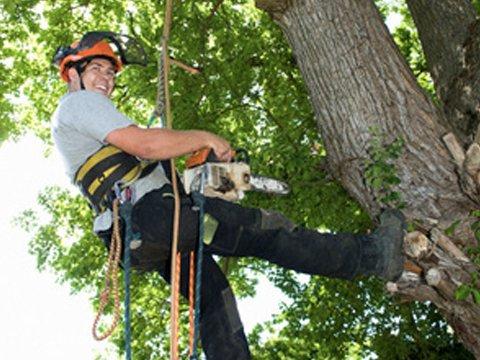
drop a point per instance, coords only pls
(40, 318)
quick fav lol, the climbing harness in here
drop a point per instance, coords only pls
(105, 168)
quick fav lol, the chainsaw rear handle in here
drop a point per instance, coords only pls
(241, 155)
(207, 154)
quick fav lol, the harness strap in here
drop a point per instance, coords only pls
(103, 153)
(91, 181)
(118, 173)
(106, 167)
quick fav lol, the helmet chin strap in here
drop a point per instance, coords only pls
(79, 69)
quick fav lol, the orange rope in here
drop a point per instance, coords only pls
(111, 280)
(175, 273)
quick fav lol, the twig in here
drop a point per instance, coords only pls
(190, 69)
(446, 244)
(214, 10)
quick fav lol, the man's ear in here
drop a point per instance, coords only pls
(74, 79)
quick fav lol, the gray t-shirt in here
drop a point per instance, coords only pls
(80, 125)
(81, 122)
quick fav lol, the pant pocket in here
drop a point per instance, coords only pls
(149, 256)
(226, 240)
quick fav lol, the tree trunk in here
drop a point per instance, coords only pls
(357, 79)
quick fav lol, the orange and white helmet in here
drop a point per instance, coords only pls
(97, 44)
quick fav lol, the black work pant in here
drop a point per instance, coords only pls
(239, 233)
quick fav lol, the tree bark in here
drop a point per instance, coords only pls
(357, 79)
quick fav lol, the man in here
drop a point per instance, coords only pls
(91, 134)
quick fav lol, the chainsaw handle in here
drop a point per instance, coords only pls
(207, 154)
(199, 157)
(241, 155)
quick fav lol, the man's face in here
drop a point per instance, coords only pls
(99, 76)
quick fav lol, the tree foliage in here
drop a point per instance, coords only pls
(251, 92)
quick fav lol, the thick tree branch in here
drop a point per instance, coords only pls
(274, 7)
(443, 29)
(462, 103)
(446, 31)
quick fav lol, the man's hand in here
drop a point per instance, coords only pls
(220, 147)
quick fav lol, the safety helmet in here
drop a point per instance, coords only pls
(97, 44)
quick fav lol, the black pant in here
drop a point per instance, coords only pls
(239, 233)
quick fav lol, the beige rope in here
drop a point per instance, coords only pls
(175, 262)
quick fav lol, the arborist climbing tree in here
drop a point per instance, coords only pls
(108, 157)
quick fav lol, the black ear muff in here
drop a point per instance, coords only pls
(80, 67)
(61, 53)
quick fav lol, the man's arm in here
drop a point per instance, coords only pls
(160, 144)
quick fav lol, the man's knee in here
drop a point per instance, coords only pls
(273, 220)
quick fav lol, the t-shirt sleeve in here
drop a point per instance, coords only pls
(94, 115)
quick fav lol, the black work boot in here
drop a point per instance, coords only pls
(382, 250)
(271, 220)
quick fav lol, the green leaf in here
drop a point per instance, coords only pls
(451, 229)
(476, 296)
(462, 292)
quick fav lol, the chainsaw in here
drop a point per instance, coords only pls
(227, 180)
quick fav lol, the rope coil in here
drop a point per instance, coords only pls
(111, 280)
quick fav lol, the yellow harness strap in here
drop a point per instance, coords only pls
(102, 170)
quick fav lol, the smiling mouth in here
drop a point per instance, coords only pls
(101, 88)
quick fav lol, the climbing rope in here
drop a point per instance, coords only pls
(159, 111)
(163, 101)
(111, 280)
(191, 303)
(163, 111)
